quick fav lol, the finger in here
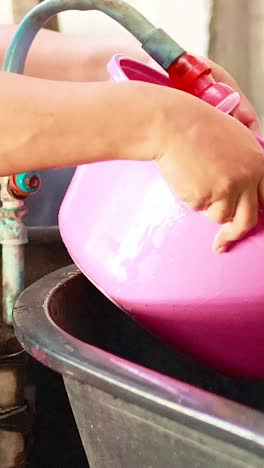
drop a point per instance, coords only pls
(261, 192)
(255, 127)
(220, 74)
(221, 211)
(245, 112)
(194, 201)
(246, 217)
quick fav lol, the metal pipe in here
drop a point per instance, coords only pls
(13, 237)
(155, 41)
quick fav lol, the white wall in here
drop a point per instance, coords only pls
(186, 20)
(5, 12)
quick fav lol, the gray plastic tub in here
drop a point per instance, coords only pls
(136, 402)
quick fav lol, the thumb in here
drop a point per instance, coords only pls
(245, 219)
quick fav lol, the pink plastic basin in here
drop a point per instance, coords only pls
(127, 232)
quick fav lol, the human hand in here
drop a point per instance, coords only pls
(215, 165)
(244, 112)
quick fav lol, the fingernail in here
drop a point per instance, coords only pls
(220, 249)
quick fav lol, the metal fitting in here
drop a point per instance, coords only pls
(22, 185)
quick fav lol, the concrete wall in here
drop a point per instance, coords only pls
(186, 20)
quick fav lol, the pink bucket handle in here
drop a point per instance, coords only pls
(122, 68)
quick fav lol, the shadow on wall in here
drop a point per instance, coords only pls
(43, 207)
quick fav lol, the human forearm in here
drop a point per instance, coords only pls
(46, 124)
(211, 160)
(62, 57)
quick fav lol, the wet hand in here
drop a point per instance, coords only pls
(216, 166)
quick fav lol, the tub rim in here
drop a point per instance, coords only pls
(164, 395)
